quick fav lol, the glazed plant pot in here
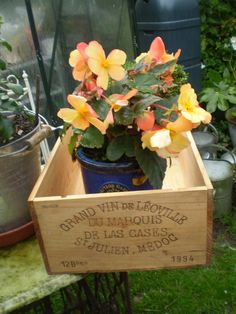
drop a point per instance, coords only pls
(20, 166)
(231, 118)
(102, 177)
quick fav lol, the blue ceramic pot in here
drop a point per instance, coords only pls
(102, 177)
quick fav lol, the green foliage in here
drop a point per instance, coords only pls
(119, 146)
(11, 94)
(222, 94)
(101, 108)
(9, 105)
(218, 26)
(92, 138)
(5, 45)
(152, 165)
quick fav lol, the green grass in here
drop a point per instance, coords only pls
(203, 290)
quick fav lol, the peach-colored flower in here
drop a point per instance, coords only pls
(189, 107)
(164, 142)
(104, 67)
(118, 101)
(82, 115)
(78, 60)
(157, 53)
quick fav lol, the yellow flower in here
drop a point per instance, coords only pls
(156, 139)
(189, 107)
(82, 115)
(178, 142)
(164, 142)
(104, 67)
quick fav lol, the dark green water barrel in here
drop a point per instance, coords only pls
(177, 22)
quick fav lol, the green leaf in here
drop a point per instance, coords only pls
(4, 97)
(159, 114)
(119, 146)
(222, 104)
(101, 108)
(129, 146)
(144, 103)
(115, 88)
(212, 103)
(5, 44)
(214, 76)
(16, 88)
(11, 105)
(115, 149)
(6, 129)
(72, 144)
(153, 166)
(162, 68)
(2, 65)
(124, 116)
(145, 79)
(92, 138)
(231, 99)
(226, 74)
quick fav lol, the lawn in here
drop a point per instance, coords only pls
(208, 290)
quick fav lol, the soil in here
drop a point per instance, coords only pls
(22, 125)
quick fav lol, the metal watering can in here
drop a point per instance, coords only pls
(204, 139)
(228, 156)
(221, 173)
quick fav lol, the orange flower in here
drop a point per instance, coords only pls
(189, 107)
(181, 124)
(82, 115)
(104, 67)
(78, 60)
(146, 122)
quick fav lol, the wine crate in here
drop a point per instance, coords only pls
(123, 231)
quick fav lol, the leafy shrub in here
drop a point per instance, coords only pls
(218, 27)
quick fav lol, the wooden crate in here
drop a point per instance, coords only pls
(123, 231)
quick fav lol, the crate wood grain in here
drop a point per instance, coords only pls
(122, 231)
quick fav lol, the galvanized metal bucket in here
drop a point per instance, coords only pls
(231, 157)
(19, 169)
(231, 124)
(221, 173)
(204, 140)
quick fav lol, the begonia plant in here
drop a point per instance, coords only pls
(139, 109)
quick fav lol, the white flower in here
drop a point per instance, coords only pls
(160, 139)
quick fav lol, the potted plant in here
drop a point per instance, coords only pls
(20, 133)
(135, 113)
